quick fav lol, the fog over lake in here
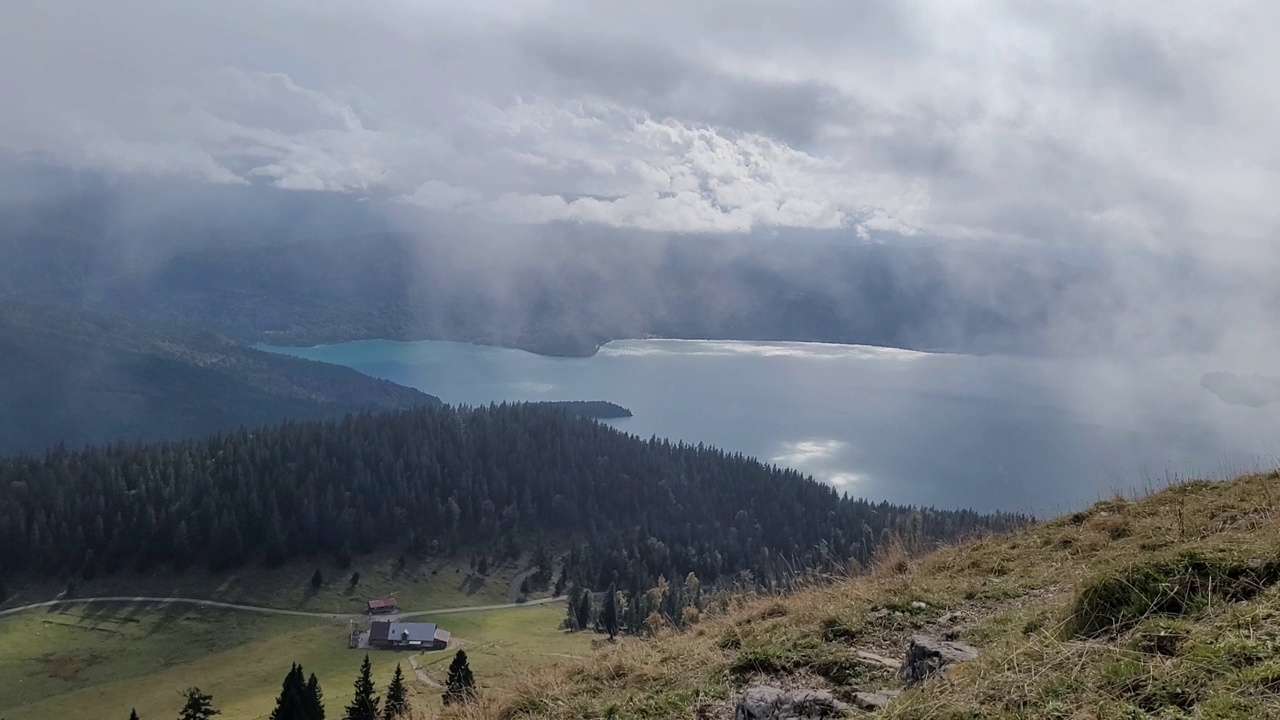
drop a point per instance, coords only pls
(933, 429)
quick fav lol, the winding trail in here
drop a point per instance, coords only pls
(265, 610)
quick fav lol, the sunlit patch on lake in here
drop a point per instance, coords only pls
(845, 480)
(826, 459)
(804, 452)
(720, 348)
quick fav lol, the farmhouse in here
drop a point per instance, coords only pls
(399, 635)
(383, 606)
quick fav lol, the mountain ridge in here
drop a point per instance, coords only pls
(78, 377)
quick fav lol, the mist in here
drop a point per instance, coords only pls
(1063, 180)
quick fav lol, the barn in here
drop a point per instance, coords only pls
(402, 635)
(381, 606)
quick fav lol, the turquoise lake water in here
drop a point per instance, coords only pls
(931, 429)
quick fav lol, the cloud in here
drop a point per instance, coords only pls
(1149, 124)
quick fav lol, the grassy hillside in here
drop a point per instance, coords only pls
(1166, 606)
(82, 378)
(56, 662)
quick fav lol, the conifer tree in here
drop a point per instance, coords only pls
(291, 704)
(364, 706)
(583, 610)
(460, 686)
(571, 611)
(397, 704)
(313, 699)
(317, 579)
(609, 614)
(133, 714)
(199, 705)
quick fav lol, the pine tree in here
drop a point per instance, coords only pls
(397, 704)
(583, 610)
(133, 714)
(291, 704)
(460, 686)
(355, 580)
(609, 614)
(571, 612)
(317, 579)
(364, 706)
(313, 699)
(199, 706)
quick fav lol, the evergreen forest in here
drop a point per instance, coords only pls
(436, 480)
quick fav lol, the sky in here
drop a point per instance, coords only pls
(1148, 124)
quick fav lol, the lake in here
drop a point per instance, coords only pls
(992, 432)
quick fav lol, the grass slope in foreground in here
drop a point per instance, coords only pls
(80, 378)
(1166, 607)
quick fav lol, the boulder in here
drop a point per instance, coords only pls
(926, 656)
(770, 703)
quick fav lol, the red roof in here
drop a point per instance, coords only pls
(384, 603)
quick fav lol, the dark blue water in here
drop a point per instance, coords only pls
(932, 429)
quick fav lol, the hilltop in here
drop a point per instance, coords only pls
(1165, 606)
(79, 377)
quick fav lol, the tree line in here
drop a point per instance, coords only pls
(495, 479)
(303, 699)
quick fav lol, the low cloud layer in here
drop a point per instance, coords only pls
(1148, 124)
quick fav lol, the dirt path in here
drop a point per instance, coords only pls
(422, 675)
(258, 609)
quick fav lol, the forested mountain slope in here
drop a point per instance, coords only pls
(77, 377)
(439, 480)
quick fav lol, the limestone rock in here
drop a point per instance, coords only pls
(926, 656)
(880, 660)
(770, 703)
(876, 700)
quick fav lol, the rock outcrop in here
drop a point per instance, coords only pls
(770, 703)
(926, 656)
(875, 700)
